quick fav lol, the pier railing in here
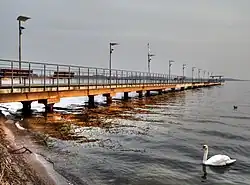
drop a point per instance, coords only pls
(15, 74)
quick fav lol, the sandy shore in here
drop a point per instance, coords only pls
(23, 166)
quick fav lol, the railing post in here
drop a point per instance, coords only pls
(110, 78)
(96, 78)
(153, 77)
(88, 79)
(57, 77)
(143, 79)
(11, 77)
(69, 79)
(104, 78)
(79, 77)
(157, 79)
(116, 73)
(137, 79)
(44, 76)
(140, 79)
(126, 78)
(150, 78)
(131, 78)
(29, 77)
(122, 78)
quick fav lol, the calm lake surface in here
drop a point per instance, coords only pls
(162, 143)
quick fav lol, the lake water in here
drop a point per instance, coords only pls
(159, 140)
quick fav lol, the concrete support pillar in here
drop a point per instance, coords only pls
(126, 96)
(109, 98)
(147, 93)
(91, 100)
(140, 94)
(26, 107)
(49, 108)
(160, 92)
(49, 103)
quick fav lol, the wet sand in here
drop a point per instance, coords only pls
(30, 167)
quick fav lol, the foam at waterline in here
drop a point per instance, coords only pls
(12, 107)
(51, 172)
(39, 107)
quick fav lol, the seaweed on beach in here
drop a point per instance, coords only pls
(13, 168)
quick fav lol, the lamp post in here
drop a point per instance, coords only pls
(169, 68)
(111, 49)
(183, 72)
(149, 58)
(20, 28)
(193, 74)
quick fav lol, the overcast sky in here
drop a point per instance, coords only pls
(213, 35)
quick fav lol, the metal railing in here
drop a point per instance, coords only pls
(42, 75)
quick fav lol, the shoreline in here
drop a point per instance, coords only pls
(34, 167)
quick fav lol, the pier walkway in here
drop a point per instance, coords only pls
(47, 83)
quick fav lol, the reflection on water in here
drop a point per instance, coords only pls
(65, 124)
(215, 169)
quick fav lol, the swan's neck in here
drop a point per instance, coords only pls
(205, 155)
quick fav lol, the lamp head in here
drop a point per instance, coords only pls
(23, 18)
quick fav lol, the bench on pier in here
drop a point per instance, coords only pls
(63, 75)
(179, 78)
(15, 73)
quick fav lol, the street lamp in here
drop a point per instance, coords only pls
(169, 68)
(193, 73)
(183, 71)
(111, 49)
(20, 28)
(149, 58)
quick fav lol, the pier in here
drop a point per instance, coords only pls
(47, 83)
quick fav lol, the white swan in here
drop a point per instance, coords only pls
(216, 160)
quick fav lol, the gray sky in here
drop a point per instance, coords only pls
(210, 34)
